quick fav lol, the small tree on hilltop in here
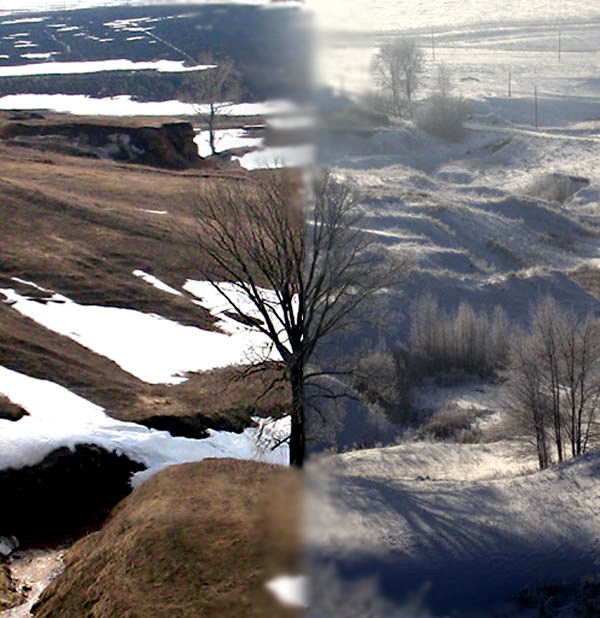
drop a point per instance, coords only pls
(211, 91)
(396, 70)
(305, 271)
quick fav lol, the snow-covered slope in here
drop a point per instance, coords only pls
(425, 517)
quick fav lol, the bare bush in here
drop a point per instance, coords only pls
(383, 379)
(460, 342)
(451, 422)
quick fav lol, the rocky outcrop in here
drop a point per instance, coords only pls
(68, 491)
(170, 145)
(10, 411)
(9, 595)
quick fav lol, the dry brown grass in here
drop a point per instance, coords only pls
(197, 540)
(80, 227)
(9, 411)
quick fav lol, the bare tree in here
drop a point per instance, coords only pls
(306, 272)
(211, 91)
(554, 379)
(527, 398)
(396, 69)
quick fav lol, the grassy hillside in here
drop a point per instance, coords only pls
(80, 227)
(195, 540)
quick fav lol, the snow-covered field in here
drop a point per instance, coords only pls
(467, 545)
(445, 528)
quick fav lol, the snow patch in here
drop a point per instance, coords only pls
(95, 66)
(152, 348)
(157, 283)
(290, 589)
(58, 417)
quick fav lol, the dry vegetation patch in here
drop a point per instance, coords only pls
(80, 227)
(10, 411)
(195, 540)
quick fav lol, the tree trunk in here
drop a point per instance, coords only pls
(211, 128)
(297, 435)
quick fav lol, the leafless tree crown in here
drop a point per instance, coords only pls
(297, 252)
(396, 70)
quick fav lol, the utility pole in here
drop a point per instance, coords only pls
(559, 45)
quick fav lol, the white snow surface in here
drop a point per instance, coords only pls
(155, 281)
(417, 516)
(72, 68)
(150, 347)
(423, 15)
(58, 417)
(225, 139)
(290, 589)
(278, 156)
(124, 105)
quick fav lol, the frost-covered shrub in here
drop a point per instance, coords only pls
(555, 187)
(382, 378)
(456, 343)
(552, 381)
(444, 116)
(451, 422)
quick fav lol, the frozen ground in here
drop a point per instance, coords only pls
(446, 529)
